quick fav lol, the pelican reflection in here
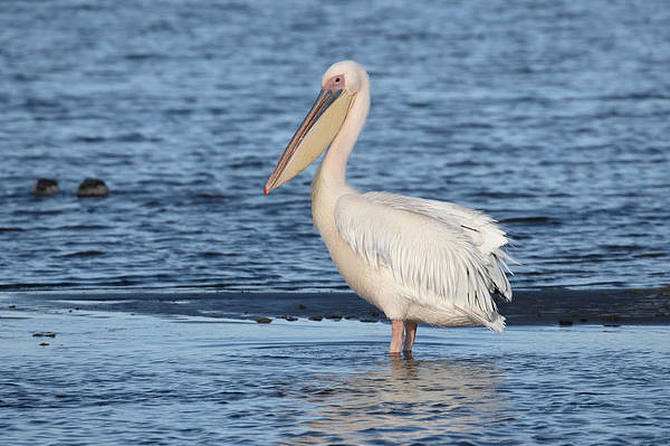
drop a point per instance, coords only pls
(405, 400)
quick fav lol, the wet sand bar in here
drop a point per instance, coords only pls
(529, 307)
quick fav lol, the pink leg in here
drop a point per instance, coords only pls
(410, 336)
(397, 332)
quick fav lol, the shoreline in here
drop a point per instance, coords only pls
(551, 306)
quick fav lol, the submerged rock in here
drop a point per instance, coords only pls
(44, 334)
(92, 187)
(45, 187)
(44, 344)
(10, 229)
(611, 320)
(290, 318)
(263, 320)
(316, 318)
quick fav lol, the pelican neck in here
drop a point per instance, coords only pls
(333, 169)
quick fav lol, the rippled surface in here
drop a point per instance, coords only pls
(553, 118)
(116, 378)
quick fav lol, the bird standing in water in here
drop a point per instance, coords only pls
(417, 260)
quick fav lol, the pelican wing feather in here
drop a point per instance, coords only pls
(444, 255)
(481, 229)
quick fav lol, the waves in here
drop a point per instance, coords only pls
(182, 115)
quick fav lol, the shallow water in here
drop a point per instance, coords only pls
(111, 378)
(554, 118)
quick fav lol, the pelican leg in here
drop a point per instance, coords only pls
(397, 333)
(410, 336)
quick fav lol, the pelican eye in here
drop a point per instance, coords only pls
(336, 82)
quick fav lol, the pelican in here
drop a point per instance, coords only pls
(417, 260)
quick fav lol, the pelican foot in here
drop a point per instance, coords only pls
(410, 336)
(397, 334)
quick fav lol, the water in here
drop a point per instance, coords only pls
(553, 117)
(114, 378)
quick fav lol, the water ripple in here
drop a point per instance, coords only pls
(553, 119)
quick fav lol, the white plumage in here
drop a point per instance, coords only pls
(417, 260)
(444, 256)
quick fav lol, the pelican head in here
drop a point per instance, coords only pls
(339, 86)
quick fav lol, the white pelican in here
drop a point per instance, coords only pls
(417, 260)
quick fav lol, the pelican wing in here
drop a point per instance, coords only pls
(481, 229)
(445, 255)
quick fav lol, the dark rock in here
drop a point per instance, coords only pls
(315, 318)
(10, 229)
(92, 187)
(290, 318)
(263, 320)
(334, 317)
(44, 334)
(611, 320)
(45, 187)
(12, 307)
(565, 323)
(44, 344)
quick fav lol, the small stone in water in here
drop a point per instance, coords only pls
(611, 320)
(263, 320)
(44, 334)
(92, 187)
(316, 318)
(45, 187)
(44, 344)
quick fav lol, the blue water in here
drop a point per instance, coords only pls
(115, 378)
(553, 117)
